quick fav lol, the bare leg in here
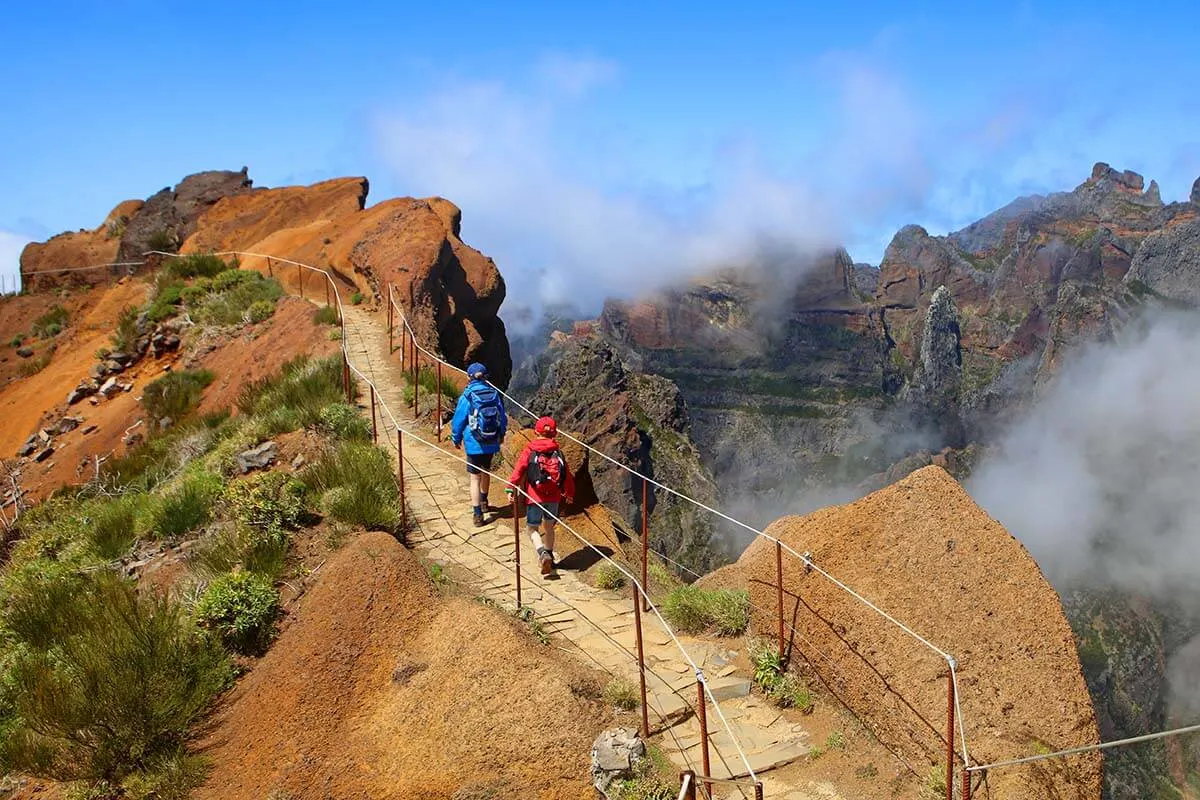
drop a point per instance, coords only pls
(480, 490)
(535, 537)
(548, 533)
(476, 480)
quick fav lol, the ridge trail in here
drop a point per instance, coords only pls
(597, 625)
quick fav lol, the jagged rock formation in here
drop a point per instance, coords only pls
(453, 292)
(1168, 264)
(936, 384)
(642, 421)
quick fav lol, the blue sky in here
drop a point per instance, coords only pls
(600, 150)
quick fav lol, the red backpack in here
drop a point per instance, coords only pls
(546, 467)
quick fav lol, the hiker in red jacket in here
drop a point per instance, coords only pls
(547, 481)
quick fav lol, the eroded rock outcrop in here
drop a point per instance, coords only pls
(74, 250)
(171, 215)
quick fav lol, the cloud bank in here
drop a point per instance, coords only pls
(11, 245)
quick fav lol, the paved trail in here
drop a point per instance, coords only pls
(595, 624)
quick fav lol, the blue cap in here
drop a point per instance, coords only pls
(477, 370)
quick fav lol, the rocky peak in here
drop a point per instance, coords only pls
(941, 356)
(1130, 180)
(172, 214)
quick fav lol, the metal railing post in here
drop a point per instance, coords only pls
(391, 320)
(758, 790)
(374, 425)
(950, 736)
(645, 540)
(966, 783)
(300, 279)
(439, 401)
(637, 622)
(516, 507)
(400, 462)
(346, 372)
(270, 268)
(702, 713)
(416, 379)
(779, 593)
(687, 785)
(327, 292)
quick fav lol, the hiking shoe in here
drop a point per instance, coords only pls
(479, 519)
(545, 560)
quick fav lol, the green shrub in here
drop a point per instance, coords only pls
(357, 298)
(608, 576)
(654, 778)
(622, 694)
(16, 341)
(126, 333)
(109, 688)
(267, 502)
(186, 508)
(163, 240)
(344, 422)
(326, 315)
(260, 310)
(335, 335)
(168, 294)
(196, 266)
(170, 777)
(303, 385)
(51, 323)
(356, 486)
(176, 394)
(111, 525)
(230, 547)
(725, 612)
(241, 608)
(784, 688)
(192, 296)
(35, 365)
(234, 291)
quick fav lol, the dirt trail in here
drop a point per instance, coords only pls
(596, 625)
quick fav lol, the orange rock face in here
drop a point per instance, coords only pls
(41, 261)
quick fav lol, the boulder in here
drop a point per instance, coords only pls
(28, 448)
(615, 754)
(110, 388)
(111, 367)
(259, 457)
(44, 454)
(66, 424)
(124, 359)
(25, 352)
(98, 371)
(172, 214)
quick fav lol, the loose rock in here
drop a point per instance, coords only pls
(258, 457)
(24, 352)
(615, 753)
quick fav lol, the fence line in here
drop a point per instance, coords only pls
(702, 682)
(955, 708)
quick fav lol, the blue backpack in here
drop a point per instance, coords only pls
(486, 413)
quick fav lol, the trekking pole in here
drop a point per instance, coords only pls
(950, 736)
(702, 713)
(645, 538)
(517, 545)
(637, 622)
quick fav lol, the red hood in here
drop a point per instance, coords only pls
(543, 445)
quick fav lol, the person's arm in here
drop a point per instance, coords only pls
(518, 473)
(458, 425)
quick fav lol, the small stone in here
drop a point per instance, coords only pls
(93, 401)
(44, 454)
(28, 448)
(114, 366)
(110, 388)
(165, 423)
(299, 461)
(44, 435)
(98, 371)
(90, 429)
(25, 352)
(615, 753)
(126, 387)
(121, 358)
(258, 457)
(66, 424)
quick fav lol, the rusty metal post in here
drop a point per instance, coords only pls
(270, 268)
(779, 592)
(516, 506)
(300, 279)
(346, 374)
(758, 790)
(637, 622)
(326, 291)
(400, 463)
(645, 542)
(702, 712)
(374, 425)
(439, 401)
(966, 783)
(950, 736)
(687, 785)
(391, 320)
(416, 380)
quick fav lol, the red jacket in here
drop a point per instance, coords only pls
(549, 493)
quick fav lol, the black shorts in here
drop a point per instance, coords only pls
(479, 463)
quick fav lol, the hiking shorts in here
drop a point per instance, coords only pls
(536, 512)
(478, 464)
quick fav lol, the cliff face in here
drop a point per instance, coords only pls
(452, 291)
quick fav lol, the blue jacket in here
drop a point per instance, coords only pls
(459, 430)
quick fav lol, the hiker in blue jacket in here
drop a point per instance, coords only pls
(480, 422)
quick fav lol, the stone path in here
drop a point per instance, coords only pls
(595, 624)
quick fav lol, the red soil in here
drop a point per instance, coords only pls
(382, 688)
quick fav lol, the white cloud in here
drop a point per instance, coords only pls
(11, 245)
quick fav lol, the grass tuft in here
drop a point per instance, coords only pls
(50, 324)
(176, 394)
(622, 694)
(241, 608)
(356, 486)
(607, 576)
(725, 612)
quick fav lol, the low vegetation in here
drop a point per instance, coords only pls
(427, 379)
(198, 265)
(38, 363)
(125, 333)
(325, 315)
(102, 683)
(176, 394)
(654, 778)
(784, 688)
(50, 324)
(724, 612)
(608, 576)
(622, 694)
